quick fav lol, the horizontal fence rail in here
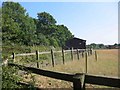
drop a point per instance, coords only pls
(56, 75)
(102, 80)
(25, 54)
(73, 54)
(28, 54)
(47, 52)
(77, 79)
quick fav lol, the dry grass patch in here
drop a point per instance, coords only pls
(107, 65)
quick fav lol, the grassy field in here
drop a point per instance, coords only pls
(106, 64)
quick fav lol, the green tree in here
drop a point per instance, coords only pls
(17, 26)
(93, 45)
(42, 40)
(101, 46)
(53, 42)
(46, 19)
(28, 36)
(62, 34)
(46, 25)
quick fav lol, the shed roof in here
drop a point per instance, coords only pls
(78, 39)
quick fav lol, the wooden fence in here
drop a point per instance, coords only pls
(79, 79)
(52, 52)
(84, 52)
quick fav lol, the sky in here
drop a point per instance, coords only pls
(96, 22)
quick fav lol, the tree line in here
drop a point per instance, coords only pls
(19, 28)
(102, 46)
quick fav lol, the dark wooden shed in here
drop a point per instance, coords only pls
(76, 43)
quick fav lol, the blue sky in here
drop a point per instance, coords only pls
(96, 22)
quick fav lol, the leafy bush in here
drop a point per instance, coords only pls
(9, 77)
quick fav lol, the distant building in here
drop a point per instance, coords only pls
(76, 43)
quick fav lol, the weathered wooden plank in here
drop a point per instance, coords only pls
(101, 80)
(67, 50)
(72, 54)
(76, 79)
(81, 49)
(77, 84)
(86, 62)
(82, 54)
(57, 51)
(25, 54)
(75, 50)
(63, 56)
(47, 52)
(13, 54)
(37, 58)
(90, 51)
(28, 54)
(53, 58)
(44, 52)
(95, 55)
(78, 54)
(56, 75)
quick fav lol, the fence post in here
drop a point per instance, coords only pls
(82, 53)
(52, 55)
(77, 82)
(13, 54)
(37, 58)
(78, 54)
(72, 53)
(85, 62)
(63, 55)
(77, 85)
(90, 51)
(95, 55)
